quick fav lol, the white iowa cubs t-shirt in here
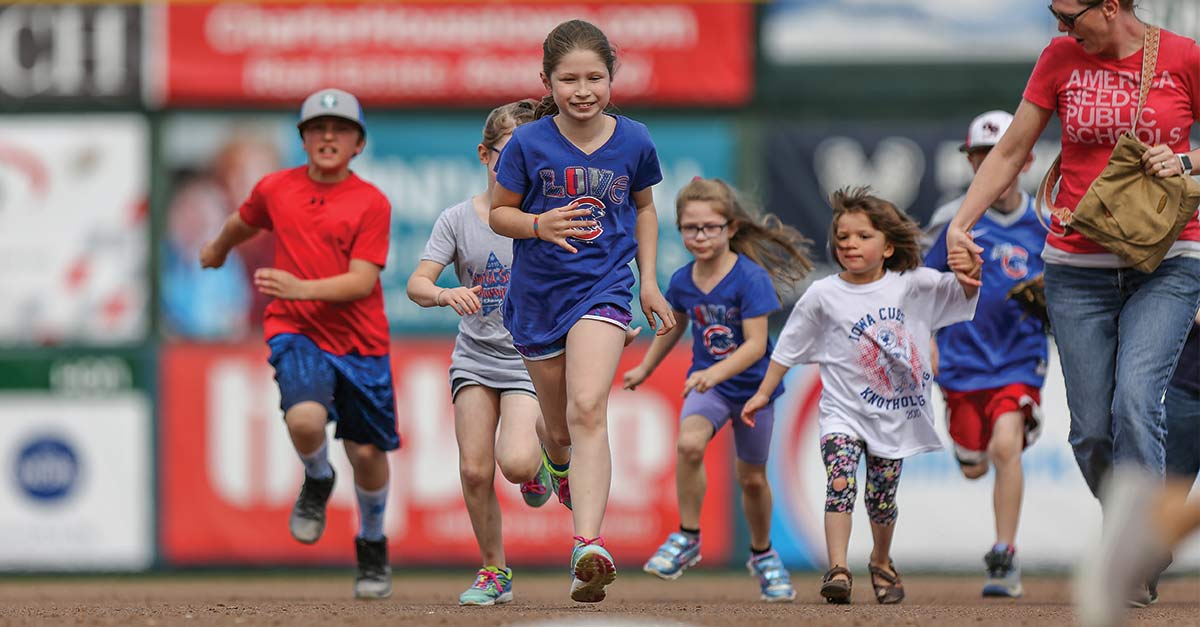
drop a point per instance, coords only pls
(872, 345)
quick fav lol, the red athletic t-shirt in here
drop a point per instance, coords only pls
(319, 228)
(1096, 99)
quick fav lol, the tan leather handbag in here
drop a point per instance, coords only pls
(1134, 215)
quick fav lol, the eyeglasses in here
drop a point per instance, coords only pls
(1069, 20)
(691, 231)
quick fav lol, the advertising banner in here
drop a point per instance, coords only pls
(423, 164)
(76, 493)
(446, 54)
(73, 229)
(85, 54)
(945, 521)
(229, 474)
(916, 165)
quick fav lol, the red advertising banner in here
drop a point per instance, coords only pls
(229, 475)
(446, 54)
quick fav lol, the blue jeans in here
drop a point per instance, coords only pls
(1119, 333)
(1183, 432)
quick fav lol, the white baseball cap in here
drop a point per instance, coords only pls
(986, 130)
(334, 103)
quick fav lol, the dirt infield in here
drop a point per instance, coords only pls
(430, 599)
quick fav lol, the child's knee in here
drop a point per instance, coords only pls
(839, 494)
(974, 471)
(882, 512)
(519, 469)
(476, 475)
(691, 450)
(754, 483)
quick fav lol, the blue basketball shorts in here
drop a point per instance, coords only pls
(355, 390)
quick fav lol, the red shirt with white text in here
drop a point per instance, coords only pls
(1096, 99)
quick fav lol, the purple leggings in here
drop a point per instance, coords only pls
(841, 453)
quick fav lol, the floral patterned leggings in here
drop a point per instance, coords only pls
(841, 453)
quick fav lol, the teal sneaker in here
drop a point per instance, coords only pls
(492, 587)
(773, 580)
(675, 555)
(558, 481)
(536, 491)
(593, 569)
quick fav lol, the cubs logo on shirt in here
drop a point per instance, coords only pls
(719, 340)
(1013, 259)
(596, 206)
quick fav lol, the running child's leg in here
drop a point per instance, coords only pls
(593, 352)
(370, 464)
(841, 453)
(517, 451)
(548, 377)
(756, 503)
(1004, 450)
(476, 413)
(883, 477)
(690, 481)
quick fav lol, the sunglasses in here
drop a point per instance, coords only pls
(1069, 20)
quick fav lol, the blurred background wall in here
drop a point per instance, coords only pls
(138, 417)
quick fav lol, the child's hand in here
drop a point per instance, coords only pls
(701, 381)
(211, 256)
(967, 266)
(653, 304)
(280, 284)
(756, 402)
(463, 300)
(556, 225)
(631, 333)
(634, 377)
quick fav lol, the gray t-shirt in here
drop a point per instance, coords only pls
(483, 351)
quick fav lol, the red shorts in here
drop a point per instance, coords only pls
(972, 415)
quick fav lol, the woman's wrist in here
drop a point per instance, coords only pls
(437, 300)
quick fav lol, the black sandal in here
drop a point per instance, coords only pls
(893, 590)
(837, 590)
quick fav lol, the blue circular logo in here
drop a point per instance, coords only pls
(47, 469)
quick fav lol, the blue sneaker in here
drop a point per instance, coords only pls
(593, 569)
(492, 587)
(558, 481)
(1003, 573)
(773, 578)
(536, 491)
(675, 555)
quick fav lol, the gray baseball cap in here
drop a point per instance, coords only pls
(335, 103)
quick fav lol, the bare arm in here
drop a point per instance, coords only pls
(654, 355)
(646, 232)
(423, 290)
(233, 232)
(1003, 164)
(754, 346)
(356, 284)
(554, 225)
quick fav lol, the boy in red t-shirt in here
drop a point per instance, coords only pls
(326, 326)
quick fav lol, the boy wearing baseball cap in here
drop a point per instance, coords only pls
(326, 326)
(991, 369)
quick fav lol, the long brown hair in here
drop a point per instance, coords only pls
(503, 119)
(780, 249)
(898, 229)
(565, 38)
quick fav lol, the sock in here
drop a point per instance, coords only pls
(558, 469)
(371, 506)
(757, 553)
(316, 463)
(692, 534)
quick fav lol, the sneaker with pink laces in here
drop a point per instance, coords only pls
(558, 481)
(536, 491)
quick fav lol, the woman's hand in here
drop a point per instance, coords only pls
(1160, 161)
(463, 300)
(654, 304)
(556, 225)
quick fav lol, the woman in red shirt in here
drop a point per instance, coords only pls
(1119, 331)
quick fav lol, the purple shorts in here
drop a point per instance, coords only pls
(607, 313)
(752, 444)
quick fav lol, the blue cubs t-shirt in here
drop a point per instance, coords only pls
(1002, 345)
(551, 288)
(716, 317)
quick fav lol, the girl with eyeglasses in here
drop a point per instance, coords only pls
(1119, 331)
(727, 292)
